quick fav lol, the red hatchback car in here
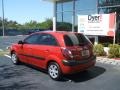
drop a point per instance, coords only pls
(58, 52)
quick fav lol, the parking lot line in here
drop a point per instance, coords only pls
(1, 50)
(7, 56)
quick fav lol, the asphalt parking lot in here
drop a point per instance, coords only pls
(8, 40)
(24, 77)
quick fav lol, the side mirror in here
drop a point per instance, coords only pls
(20, 42)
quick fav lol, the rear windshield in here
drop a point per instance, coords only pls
(74, 39)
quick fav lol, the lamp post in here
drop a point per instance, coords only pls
(3, 18)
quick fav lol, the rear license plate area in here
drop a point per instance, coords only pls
(85, 53)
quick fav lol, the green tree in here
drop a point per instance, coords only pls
(47, 24)
(31, 25)
(12, 25)
(64, 26)
(9, 24)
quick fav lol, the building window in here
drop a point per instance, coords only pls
(82, 7)
(67, 17)
(85, 5)
(59, 17)
(68, 6)
(108, 2)
(59, 7)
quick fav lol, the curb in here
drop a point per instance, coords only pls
(108, 61)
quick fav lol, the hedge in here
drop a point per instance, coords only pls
(114, 51)
(99, 50)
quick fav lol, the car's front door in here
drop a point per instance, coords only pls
(26, 51)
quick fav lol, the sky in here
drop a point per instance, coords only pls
(26, 10)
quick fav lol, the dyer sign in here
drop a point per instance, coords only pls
(98, 24)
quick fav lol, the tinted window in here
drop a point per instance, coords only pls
(75, 39)
(32, 39)
(59, 7)
(46, 39)
(68, 6)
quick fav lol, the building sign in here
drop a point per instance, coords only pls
(97, 24)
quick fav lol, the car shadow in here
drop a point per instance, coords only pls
(77, 77)
(85, 75)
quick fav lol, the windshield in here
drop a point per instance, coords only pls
(73, 39)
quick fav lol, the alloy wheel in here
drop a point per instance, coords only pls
(53, 71)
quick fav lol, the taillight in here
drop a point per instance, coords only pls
(67, 53)
(90, 45)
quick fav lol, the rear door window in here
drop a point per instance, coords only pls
(47, 39)
(74, 39)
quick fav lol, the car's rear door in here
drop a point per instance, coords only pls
(46, 44)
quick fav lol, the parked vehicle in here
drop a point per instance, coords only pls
(57, 52)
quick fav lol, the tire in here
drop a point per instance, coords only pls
(54, 71)
(15, 59)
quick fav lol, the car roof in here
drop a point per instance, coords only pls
(57, 32)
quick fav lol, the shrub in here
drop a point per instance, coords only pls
(114, 51)
(99, 50)
(106, 44)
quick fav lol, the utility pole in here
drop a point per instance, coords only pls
(3, 27)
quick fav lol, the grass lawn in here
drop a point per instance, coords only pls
(2, 53)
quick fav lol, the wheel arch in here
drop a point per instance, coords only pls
(11, 52)
(50, 62)
(52, 58)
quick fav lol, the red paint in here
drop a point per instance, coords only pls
(40, 55)
(112, 20)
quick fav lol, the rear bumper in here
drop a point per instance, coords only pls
(76, 62)
(77, 66)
